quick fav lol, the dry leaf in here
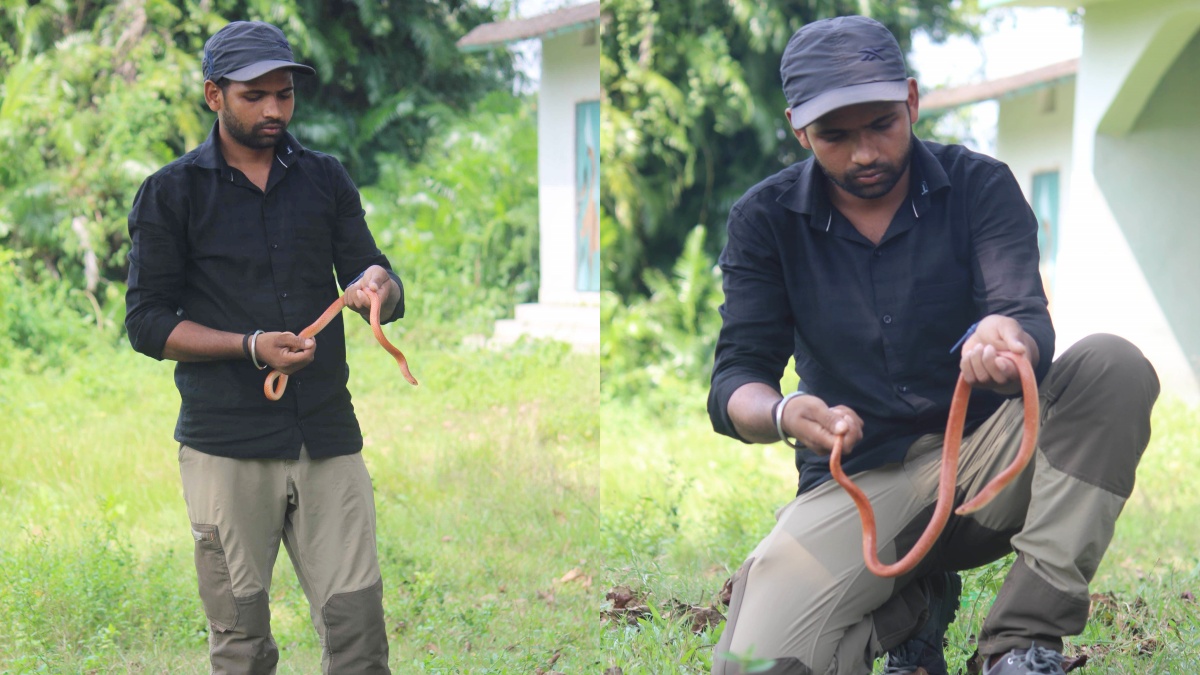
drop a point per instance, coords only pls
(1074, 662)
(726, 592)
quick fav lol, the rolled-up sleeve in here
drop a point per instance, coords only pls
(354, 248)
(1007, 279)
(158, 248)
(756, 337)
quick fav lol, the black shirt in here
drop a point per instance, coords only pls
(871, 326)
(211, 247)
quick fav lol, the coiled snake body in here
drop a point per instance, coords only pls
(276, 382)
(949, 474)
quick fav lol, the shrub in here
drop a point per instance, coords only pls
(461, 226)
(659, 349)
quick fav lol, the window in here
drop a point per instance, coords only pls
(1045, 207)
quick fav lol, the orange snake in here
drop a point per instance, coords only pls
(276, 382)
(949, 476)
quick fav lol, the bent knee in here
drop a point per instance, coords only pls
(1112, 360)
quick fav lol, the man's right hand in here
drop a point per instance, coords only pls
(814, 424)
(285, 352)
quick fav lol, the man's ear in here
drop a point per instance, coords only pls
(213, 96)
(800, 134)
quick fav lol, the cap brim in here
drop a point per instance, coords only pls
(871, 92)
(263, 67)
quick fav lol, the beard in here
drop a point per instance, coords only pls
(254, 136)
(890, 175)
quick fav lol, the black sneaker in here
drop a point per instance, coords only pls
(1035, 660)
(924, 649)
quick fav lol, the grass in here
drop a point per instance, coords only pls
(508, 508)
(684, 507)
(484, 490)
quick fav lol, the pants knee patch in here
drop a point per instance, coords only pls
(355, 633)
(247, 648)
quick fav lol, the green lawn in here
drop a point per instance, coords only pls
(504, 521)
(484, 481)
(690, 505)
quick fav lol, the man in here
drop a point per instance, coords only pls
(233, 245)
(867, 263)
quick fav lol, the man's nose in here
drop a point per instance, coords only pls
(865, 153)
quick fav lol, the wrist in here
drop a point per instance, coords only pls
(253, 350)
(778, 411)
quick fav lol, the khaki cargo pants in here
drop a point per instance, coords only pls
(324, 512)
(805, 598)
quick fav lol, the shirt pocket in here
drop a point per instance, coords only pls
(212, 571)
(943, 310)
(312, 239)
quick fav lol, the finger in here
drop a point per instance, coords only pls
(855, 420)
(992, 366)
(970, 365)
(1011, 335)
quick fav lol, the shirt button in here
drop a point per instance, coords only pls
(283, 295)
(878, 253)
(887, 318)
(903, 388)
(274, 245)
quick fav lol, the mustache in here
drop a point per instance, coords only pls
(270, 123)
(872, 169)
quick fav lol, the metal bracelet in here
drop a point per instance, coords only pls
(254, 350)
(779, 407)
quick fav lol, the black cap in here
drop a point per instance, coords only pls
(833, 63)
(244, 50)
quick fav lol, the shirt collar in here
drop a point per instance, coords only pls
(208, 155)
(807, 193)
(928, 178)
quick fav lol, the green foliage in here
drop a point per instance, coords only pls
(461, 225)
(44, 321)
(94, 97)
(659, 347)
(87, 110)
(388, 71)
(693, 112)
(91, 598)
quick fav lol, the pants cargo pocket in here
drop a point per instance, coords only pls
(212, 572)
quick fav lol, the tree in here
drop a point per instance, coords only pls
(693, 112)
(94, 97)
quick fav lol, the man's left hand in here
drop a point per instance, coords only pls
(377, 279)
(981, 364)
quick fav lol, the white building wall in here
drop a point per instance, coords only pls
(570, 74)
(1033, 136)
(1100, 284)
